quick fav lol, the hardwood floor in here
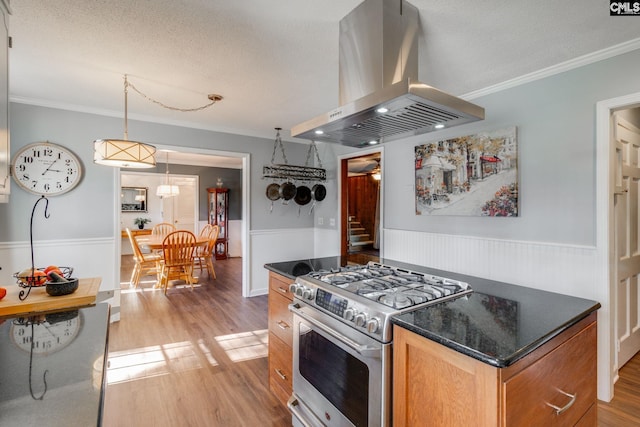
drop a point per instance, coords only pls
(191, 358)
(624, 408)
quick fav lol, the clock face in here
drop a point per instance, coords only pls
(48, 169)
(47, 337)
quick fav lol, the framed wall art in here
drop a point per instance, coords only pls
(472, 175)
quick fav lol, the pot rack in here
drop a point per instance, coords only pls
(286, 171)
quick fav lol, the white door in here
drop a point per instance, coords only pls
(626, 250)
(182, 210)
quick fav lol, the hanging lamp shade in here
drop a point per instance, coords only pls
(166, 189)
(122, 153)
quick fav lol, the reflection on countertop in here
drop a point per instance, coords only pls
(53, 367)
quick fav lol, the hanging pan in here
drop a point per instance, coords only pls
(303, 195)
(287, 191)
(318, 193)
(273, 191)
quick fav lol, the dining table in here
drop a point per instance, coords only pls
(154, 241)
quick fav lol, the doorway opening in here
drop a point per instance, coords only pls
(606, 177)
(361, 202)
(203, 160)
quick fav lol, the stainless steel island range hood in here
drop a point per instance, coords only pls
(380, 96)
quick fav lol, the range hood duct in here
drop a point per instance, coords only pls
(378, 68)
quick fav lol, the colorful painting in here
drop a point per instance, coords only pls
(473, 175)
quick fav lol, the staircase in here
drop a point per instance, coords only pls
(358, 236)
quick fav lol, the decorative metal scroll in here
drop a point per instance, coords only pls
(292, 172)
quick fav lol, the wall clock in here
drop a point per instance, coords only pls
(47, 336)
(46, 169)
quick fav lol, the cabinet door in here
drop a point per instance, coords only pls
(280, 368)
(436, 386)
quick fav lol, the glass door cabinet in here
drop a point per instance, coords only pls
(219, 215)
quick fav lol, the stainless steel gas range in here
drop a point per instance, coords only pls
(343, 335)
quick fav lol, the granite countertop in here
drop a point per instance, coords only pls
(498, 323)
(59, 379)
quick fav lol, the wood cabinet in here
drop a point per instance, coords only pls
(219, 215)
(435, 385)
(5, 179)
(280, 337)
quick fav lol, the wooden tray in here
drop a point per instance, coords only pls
(39, 301)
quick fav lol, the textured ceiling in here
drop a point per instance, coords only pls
(274, 61)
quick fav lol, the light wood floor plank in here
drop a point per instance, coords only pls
(193, 358)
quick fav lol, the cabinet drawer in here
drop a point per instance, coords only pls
(570, 369)
(280, 368)
(280, 285)
(280, 318)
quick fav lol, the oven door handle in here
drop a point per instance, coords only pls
(363, 350)
(293, 403)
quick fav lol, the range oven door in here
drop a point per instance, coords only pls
(341, 377)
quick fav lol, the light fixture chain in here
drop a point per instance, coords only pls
(184, 110)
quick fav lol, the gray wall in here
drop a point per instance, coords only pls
(555, 119)
(87, 211)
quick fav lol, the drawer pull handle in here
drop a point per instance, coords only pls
(283, 325)
(280, 374)
(565, 407)
(283, 290)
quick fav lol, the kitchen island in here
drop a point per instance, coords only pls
(494, 349)
(497, 324)
(53, 367)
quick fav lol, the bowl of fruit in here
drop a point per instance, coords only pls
(35, 277)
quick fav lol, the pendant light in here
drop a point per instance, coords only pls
(166, 189)
(122, 153)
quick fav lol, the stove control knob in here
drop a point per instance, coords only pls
(361, 319)
(349, 314)
(373, 325)
(293, 287)
(308, 293)
(300, 289)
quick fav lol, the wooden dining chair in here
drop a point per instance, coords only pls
(145, 263)
(206, 230)
(177, 264)
(204, 254)
(163, 228)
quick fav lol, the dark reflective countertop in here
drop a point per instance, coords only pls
(52, 368)
(498, 323)
(293, 269)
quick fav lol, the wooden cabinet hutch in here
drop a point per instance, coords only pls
(219, 215)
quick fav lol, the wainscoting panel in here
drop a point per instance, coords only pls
(88, 257)
(557, 268)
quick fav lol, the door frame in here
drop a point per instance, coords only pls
(605, 170)
(246, 219)
(343, 191)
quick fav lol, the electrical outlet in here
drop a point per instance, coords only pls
(332, 222)
(320, 220)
